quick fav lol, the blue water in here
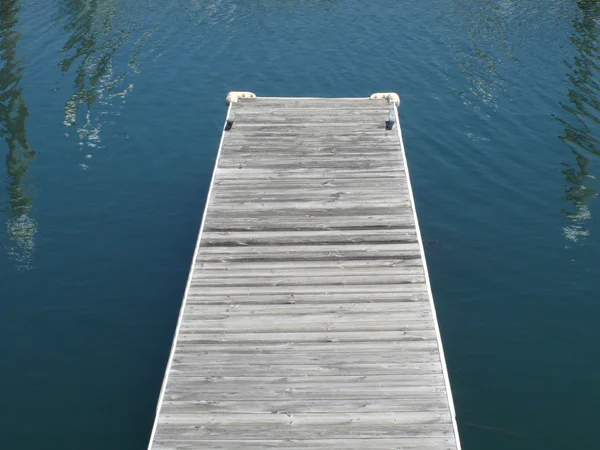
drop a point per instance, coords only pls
(110, 117)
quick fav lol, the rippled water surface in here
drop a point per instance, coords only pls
(110, 116)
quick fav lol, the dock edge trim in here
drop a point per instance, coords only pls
(428, 284)
(187, 288)
(234, 96)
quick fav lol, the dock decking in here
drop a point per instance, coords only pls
(308, 321)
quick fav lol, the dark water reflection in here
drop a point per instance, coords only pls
(21, 228)
(499, 50)
(582, 121)
(488, 24)
(98, 32)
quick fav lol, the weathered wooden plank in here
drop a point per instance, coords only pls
(314, 235)
(194, 391)
(308, 159)
(281, 369)
(416, 308)
(310, 173)
(318, 152)
(407, 324)
(315, 114)
(367, 183)
(318, 274)
(333, 255)
(330, 237)
(199, 336)
(286, 321)
(326, 110)
(309, 187)
(325, 131)
(365, 290)
(296, 164)
(317, 130)
(345, 430)
(198, 296)
(340, 279)
(275, 140)
(246, 137)
(304, 355)
(298, 238)
(290, 209)
(348, 110)
(320, 248)
(307, 321)
(350, 124)
(299, 419)
(314, 158)
(318, 406)
(309, 223)
(316, 155)
(303, 265)
(358, 185)
(326, 347)
(372, 443)
(304, 200)
(187, 382)
(307, 103)
(345, 118)
(291, 197)
(359, 300)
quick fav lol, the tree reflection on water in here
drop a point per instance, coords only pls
(21, 228)
(581, 124)
(94, 40)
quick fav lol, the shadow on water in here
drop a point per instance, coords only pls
(582, 124)
(98, 31)
(21, 228)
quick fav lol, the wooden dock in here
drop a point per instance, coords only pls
(308, 320)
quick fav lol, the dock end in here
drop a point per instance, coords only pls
(391, 97)
(234, 96)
